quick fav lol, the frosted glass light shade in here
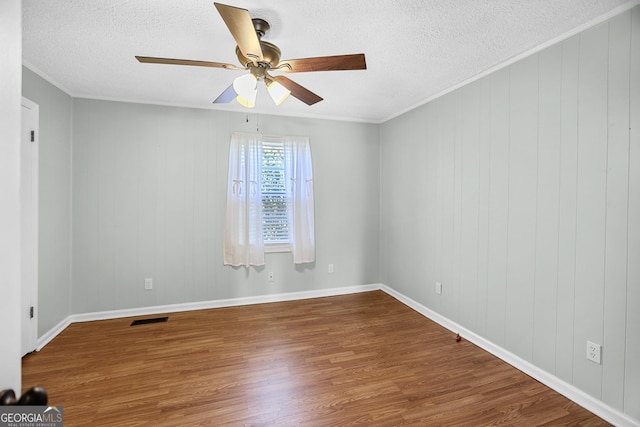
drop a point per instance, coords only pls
(246, 87)
(277, 92)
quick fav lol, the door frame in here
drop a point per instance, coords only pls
(29, 207)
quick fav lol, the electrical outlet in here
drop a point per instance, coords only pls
(594, 352)
(330, 269)
(438, 288)
(270, 276)
(148, 284)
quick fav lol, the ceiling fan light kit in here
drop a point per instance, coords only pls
(258, 57)
(246, 88)
(277, 92)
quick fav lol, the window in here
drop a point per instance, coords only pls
(275, 222)
(269, 199)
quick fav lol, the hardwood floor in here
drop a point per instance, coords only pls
(361, 359)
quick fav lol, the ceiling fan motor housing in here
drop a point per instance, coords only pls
(270, 52)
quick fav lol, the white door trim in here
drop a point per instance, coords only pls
(29, 188)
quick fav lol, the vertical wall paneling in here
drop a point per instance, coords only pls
(165, 261)
(407, 218)
(148, 214)
(108, 211)
(567, 209)
(390, 227)
(546, 255)
(417, 217)
(590, 221)
(498, 206)
(215, 191)
(203, 141)
(446, 172)
(538, 200)
(632, 332)
(86, 281)
(192, 182)
(431, 156)
(123, 186)
(149, 189)
(175, 283)
(617, 190)
(446, 167)
(484, 157)
(469, 191)
(523, 138)
(457, 206)
(79, 172)
(440, 240)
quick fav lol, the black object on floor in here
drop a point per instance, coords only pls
(152, 320)
(35, 396)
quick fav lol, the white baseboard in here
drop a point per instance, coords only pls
(52, 333)
(583, 399)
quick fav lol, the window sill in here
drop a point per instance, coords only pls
(275, 248)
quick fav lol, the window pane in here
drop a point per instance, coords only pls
(275, 226)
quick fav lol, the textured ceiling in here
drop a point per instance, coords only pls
(414, 49)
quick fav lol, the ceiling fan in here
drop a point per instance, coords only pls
(260, 57)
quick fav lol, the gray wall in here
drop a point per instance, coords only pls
(54, 252)
(520, 192)
(149, 191)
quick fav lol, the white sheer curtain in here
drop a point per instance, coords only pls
(299, 170)
(243, 242)
(243, 239)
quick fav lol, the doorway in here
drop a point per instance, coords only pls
(29, 151)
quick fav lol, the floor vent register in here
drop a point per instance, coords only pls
(152, 320)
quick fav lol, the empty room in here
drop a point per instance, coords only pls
(274, 213)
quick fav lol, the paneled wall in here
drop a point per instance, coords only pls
(520, 193)
(54, 228)
(149, 192)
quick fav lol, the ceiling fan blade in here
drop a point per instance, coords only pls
(324, 63)
(241, 27)
(300, 92)
(152, 60)
(227, 96)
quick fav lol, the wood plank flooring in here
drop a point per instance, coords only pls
(361, 359)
